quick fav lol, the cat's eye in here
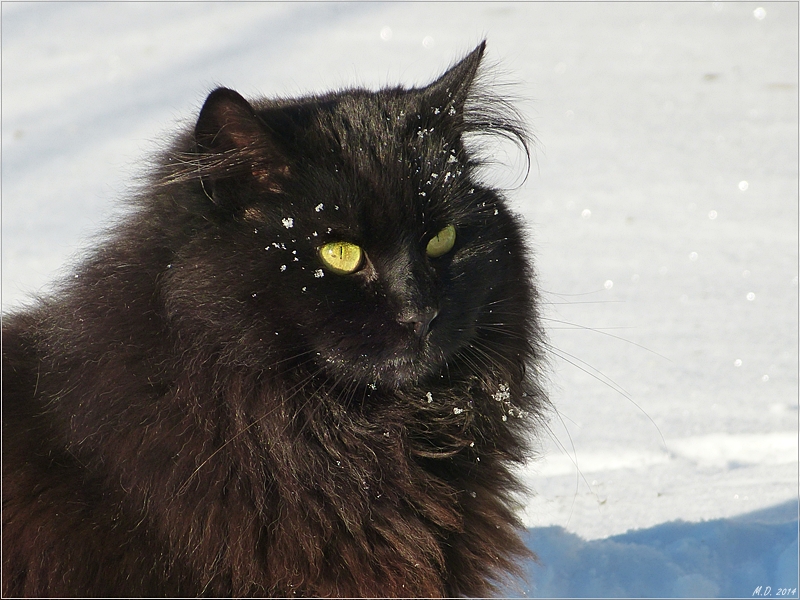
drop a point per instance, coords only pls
(341, 257)
(442, 242)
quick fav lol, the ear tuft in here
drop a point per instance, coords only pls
(452, 89)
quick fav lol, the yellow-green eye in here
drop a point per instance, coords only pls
(442, 242)
(341, 257)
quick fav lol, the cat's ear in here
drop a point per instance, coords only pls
(234, 148)
(226, 123)
(449, 93)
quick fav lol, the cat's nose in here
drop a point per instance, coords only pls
(420, 320)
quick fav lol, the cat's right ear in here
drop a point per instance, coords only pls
(234, 148)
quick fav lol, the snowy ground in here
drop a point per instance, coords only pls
(663, 205)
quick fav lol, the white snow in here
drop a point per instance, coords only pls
(667, 163)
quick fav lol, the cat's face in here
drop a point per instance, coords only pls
(352, 234)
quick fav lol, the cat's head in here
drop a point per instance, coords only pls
(348, 232)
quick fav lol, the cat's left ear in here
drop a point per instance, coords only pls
(449, 93)
(235, 149)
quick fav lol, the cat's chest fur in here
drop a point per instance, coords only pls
(306, 365)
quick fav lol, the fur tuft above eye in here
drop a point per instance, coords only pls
(442, 242)
(341, 258)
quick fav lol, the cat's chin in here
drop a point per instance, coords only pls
(398, 372)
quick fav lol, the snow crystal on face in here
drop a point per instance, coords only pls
(429, 396)
(288, 222)
(457, 411)
(319, 273)
(283, 268)
(319, 207)
(502, 393)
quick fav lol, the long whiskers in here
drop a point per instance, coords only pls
(601, 377)
(600, 331)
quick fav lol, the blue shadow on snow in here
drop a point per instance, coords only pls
(720, 558)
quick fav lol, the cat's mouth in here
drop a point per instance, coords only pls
(397, 368)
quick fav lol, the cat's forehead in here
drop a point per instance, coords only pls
(373, 164)
(394, 141)
(379, 124)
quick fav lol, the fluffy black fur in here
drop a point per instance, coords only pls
(203, 409)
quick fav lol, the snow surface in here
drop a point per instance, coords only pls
(662, 204)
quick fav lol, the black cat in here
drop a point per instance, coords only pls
(304, 366)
